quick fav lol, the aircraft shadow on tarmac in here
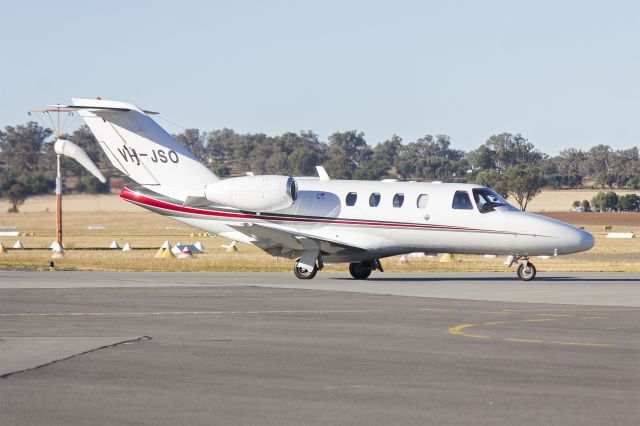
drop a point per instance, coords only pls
(486, 279)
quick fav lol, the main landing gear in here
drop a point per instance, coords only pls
(526, 270)
(303, 273)
(362, 270)
(358, 270)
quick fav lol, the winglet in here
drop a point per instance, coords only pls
(322, 173)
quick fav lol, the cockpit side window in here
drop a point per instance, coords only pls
(351, 198)
(487, 200)
(461, 201)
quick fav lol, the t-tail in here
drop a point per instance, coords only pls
(141, 149)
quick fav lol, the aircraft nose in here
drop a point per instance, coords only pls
(578, 240)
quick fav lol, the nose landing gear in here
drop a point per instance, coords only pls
(526, 270)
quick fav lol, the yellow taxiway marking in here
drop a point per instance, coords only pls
(554, 315)
(458, 330)
(524, 340)
(100, 314)
(582, 344)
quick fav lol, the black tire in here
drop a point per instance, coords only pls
(303, 274)
(359, 271)
(528, 273)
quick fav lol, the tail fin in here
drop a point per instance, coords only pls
(141, 149)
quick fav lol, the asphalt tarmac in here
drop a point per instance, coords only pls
(267, 349)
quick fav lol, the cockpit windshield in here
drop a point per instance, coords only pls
(487, 200)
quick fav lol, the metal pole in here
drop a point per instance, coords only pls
(59, 203)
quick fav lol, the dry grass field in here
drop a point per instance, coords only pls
(86, 232)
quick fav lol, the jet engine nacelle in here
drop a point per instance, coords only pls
(256, 193)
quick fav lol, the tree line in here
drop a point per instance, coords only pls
(506, 162)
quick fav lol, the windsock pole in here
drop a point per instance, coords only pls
(59, 204)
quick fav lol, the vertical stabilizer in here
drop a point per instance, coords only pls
(141, 149)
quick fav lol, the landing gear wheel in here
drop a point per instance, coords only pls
(526, 272)
(359, 271)
(302, 274)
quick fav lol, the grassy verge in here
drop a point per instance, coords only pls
(146, 230)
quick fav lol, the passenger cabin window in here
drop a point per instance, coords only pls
(423, 200)
(461, 201)
(374, 199)
(398, 200)
(351, 198)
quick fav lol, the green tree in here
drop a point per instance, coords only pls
(194, 141)
(351, 145)
(524, 183)
(604, 201)
(340, 167)
(22, 145)
(628, 203)
(17, 194)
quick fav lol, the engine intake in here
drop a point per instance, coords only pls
(255, 193)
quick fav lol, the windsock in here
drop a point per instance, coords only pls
(69, 149)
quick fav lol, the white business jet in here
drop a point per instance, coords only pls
(318, 220)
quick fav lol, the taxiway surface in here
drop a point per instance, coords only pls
(200, 348)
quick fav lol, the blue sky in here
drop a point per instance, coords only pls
(562, 73)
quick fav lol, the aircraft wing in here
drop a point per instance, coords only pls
(278, 241)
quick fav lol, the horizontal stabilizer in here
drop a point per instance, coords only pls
(194, 200)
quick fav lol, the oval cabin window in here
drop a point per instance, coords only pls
(374, 199)
(423, 200)
(398, 200)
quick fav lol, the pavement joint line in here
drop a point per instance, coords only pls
(539, 320)
(98, 314)
(588, 318)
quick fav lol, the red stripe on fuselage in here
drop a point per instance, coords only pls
(130, 195)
